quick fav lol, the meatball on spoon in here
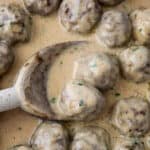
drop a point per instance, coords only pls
(29, 91)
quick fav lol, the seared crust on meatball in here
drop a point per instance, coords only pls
(6, 58)
(99, 69)
(50, 135)
(141, 25)
(125, 143)
(41, 7)
(78, 101)
(15, 24)
(79, 15)
(135, 63)
(132, 116)
(91, 138)
(110, 2)
(21, 147)
(114, 29)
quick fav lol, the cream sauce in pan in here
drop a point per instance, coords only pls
(17, 126)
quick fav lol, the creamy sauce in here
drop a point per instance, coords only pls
(17, 126)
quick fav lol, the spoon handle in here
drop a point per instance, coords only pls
(8, 99)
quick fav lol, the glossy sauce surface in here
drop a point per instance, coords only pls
(17, 126)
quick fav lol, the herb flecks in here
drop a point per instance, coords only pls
(93, 65)
(135, 48)
(19, 128)
(81, 103)
(75, 48)
(140, 30)
(79, 83)
(53, 100)
(61, 62)
(117, 94)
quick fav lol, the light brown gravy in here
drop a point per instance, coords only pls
(17, 126)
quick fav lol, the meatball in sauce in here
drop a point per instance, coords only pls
(6, 58)
(15, 24)
(131, 116)
(114, 29)
(78, 101)
(135, 63)
(50, 136)
(91, 138)
(99, 69)
(79, 15)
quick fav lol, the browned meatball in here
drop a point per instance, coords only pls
(132, 116)
(114, 29)
(15, 24)
(6, 58)
(79, 15)
(41, 7)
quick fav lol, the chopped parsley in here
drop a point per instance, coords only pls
(80, 83)
(61, 62)
(93, 65)
(140, 30)
(117, 94)
(75, 48)
(53, 100)
(19, 128)
(81, 103)
(135, 48)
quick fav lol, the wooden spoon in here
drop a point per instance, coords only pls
(29, 90)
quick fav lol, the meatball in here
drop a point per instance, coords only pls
(50, 136)
(79, 101)
(21, 147)
(135, 63)
(110, 2)
(15, 24)
(99, 69)
(79, 15)
(128, 144)
(91, 138)
(131, 116)
(41, 7)
(114, 29)
(141, 25)
(6, 58)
